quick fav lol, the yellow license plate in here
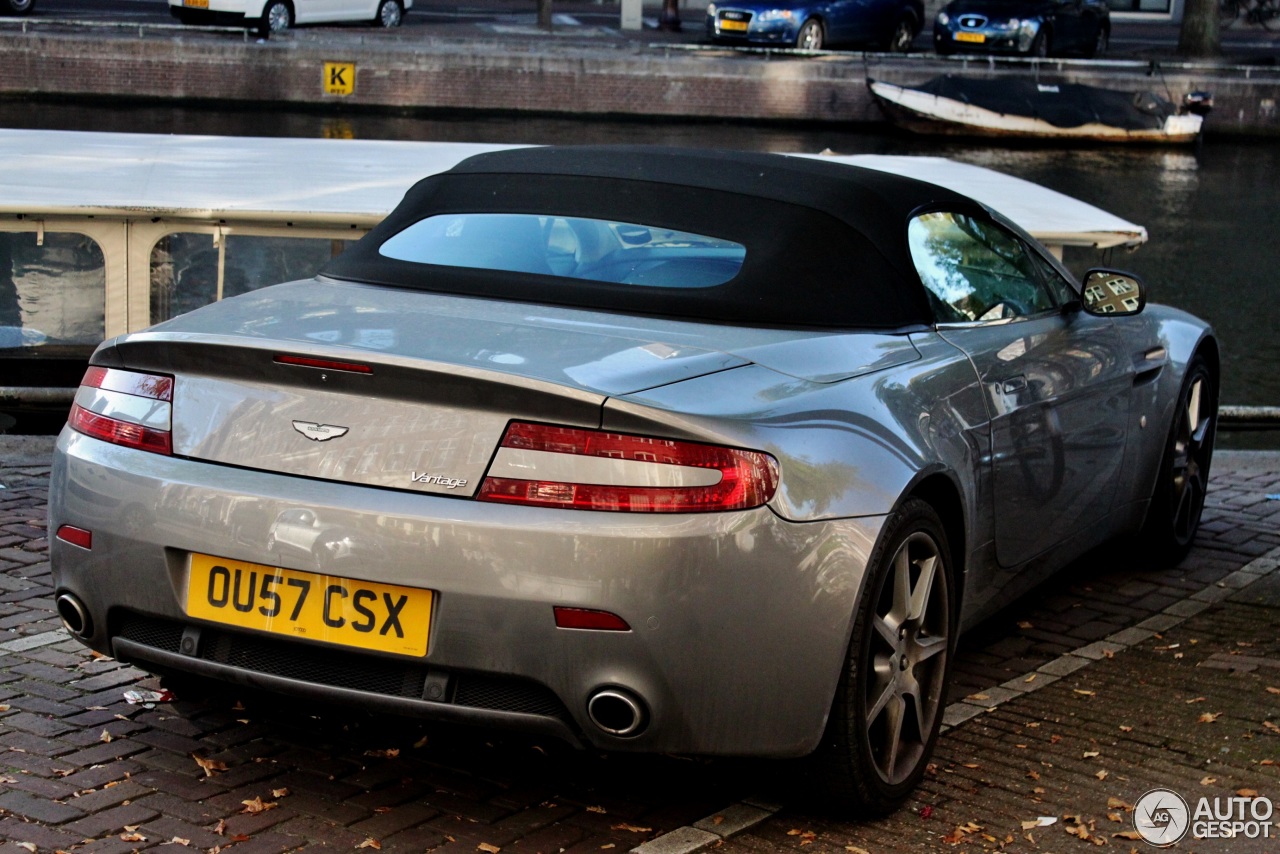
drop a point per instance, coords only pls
(976, 38)
(737, 26)
(309, 605)
(196, 4)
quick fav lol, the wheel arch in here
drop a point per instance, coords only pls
(941, 492)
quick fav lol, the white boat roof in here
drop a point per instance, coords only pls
(358, 182)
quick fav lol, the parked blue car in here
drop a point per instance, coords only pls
(815, 24)
(1031, 27)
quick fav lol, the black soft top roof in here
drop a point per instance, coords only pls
(826, 242)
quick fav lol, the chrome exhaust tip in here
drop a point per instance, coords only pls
(617, 712)
(75, 617)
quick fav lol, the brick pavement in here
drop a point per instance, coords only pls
(82, 769)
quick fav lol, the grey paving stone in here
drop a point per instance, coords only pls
(38, 809)
(733, 819)
(685, 840)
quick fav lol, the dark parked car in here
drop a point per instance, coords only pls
(1031, 27)
(814, 24)
(644, 449)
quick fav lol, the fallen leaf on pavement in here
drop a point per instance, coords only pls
(388, 753)
(105, 738)
(1033, 774)
(719, 819)
(631, 828)
(600, 810)
(178, 840)
(253, 806)
(1270, 727)
(221, 827)
(1247, 793)
(1195, 700)
(1127, 834)
(209, 766)
(279, 793)
(607, 846)
(1271, 690)
(854, 849)
(1090, 754)
(487, 848)
(30, 846)
(1210, 717)
(956, 836)
(1042, 821)
(370, 843)
(1114, 803)
(1030, 678)
(926, 811)
(1124, 728)
(1116, 817)
(1208, 781)
(1085, 692)
(132, 837)
(1023, 624)
(1102, 775)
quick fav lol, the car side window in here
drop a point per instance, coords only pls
(974, 270)
(1061, 288)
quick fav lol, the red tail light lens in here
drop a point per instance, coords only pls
(548, 466)
(127, 408)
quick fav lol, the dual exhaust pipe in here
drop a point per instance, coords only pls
(615, 711)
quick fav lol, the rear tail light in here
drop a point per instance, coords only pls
(568, 467)
(125, 408)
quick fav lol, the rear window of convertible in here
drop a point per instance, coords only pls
(571, 247)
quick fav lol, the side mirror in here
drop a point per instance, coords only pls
(1113, 293)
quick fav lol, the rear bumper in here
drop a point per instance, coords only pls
(739, 622)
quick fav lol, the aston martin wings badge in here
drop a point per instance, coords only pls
(319, 432)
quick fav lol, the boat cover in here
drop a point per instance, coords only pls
(1064, 105)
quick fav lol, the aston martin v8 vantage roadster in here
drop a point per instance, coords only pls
(650, 450)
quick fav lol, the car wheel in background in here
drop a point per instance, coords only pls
(903, 34)
(1100, 41)
(1178, 500)
(390, 14)
(890, 699)
(1042, 44)
(810, 36)
(17, 7)
(276, 17)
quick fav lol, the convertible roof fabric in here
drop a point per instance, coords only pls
(826, 242)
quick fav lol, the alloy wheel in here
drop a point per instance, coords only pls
(1192, 450)
(907, 658)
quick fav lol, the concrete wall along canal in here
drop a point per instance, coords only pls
(542, 74)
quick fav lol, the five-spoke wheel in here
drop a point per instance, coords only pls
(1178, 500)
(889, 703)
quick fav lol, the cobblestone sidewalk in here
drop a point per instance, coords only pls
(1114, 647)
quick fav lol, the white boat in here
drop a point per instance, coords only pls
(107, 233)
(1006, 107)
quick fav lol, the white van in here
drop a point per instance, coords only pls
(273, 16)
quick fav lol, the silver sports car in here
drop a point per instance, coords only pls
(660, 450)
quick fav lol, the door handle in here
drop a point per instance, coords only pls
(1013, 385)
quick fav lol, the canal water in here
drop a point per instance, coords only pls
(1211, 211)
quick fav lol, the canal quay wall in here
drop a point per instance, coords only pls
(522, 70)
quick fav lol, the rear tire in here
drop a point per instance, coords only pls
(810, 36)
(18, 7)
(1100, 42)
(1042, 44)
(277, 16)
(888, 705)
(904, 33)
(390, 14)
(1178, 500)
